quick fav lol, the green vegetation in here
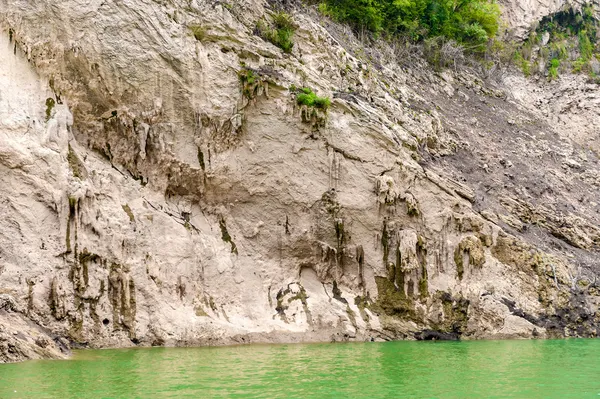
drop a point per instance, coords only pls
(586, 48)
(469, 22)
(198, 31)
(553, 71)
(307, 97)
(423, 288)
(393, 301)
(279, 32)
(75, 164)
(200, 312)
(566, 39)
(251, 81)
(580, 65)
(523, 64)
(313, 108)
(473, 248)
(300, 296)
(128, 211)
(456, 312)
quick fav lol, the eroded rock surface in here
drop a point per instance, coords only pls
(150, 196)
(521, 15)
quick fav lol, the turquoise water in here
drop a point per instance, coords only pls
(482, 369)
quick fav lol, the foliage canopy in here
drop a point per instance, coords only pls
(470, 22)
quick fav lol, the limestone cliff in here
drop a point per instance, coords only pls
(153, 194)
(521, 15)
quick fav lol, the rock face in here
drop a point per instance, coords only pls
(521, 15)
(153, 194)
(22, 338)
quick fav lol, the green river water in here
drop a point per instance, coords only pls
(481, 369)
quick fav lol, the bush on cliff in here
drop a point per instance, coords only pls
(280, 32)
(469, 22)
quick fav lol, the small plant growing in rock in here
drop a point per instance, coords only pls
(280, 32)
(553, 71)
(251, 82)
(313, 108)
(586, 48)
(307, 97)
(523, 64)
(580, 65)
(198, 31)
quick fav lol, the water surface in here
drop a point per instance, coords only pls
(482, 369)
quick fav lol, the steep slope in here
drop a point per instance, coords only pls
(152, 194)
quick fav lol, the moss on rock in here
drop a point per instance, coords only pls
(472, 247)
(129, 213)
(392, 301)
(75, 164)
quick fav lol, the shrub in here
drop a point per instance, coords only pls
(523, 64)
(580, 65)
(311, 105)
(501, 51)
(360, 14)
(553, 71)
(471, 22)
(247, 76)
(283, 20)
(280, 33)
(307, 97)
(559, 50)
(442, 53)
(251, 82)
(586, 48)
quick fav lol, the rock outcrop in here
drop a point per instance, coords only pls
(521, 16)
(153, 194)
